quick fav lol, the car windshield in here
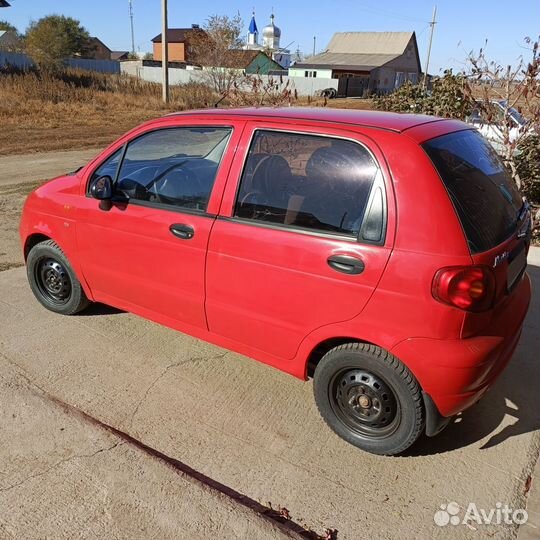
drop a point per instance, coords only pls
(482, 191)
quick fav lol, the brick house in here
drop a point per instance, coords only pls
(178, 44)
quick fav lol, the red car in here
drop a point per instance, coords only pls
(382, 255)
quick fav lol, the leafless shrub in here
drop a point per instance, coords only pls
(516, 88)
(258, 91)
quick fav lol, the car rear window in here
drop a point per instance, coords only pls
(482, 191)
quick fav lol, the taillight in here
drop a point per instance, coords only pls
(471, 288)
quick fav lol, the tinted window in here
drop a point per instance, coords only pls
(306, 181)
(173, 166)
(109, 167)
(484, 195)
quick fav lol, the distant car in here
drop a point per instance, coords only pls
(490, 125)
(384, 255)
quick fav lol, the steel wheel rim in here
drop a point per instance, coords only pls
(364, 403)
(53, 280)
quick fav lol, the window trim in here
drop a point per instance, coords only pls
(166, 207)
(293, 229)
(122, 150)
(377, 182)
(157, 205)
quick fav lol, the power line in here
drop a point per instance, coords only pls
(379, 11)
(421, 33)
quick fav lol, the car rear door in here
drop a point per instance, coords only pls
(147, 252)
(303, 236)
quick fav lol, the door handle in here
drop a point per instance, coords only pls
(346, 264)
(184, 232)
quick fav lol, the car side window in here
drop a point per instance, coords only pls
(307, 181)
(109, 166)
(173, 166)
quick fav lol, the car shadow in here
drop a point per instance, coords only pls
(95, 309)
(516, 393)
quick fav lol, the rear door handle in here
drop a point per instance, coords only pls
(346, 264)
(185, 232)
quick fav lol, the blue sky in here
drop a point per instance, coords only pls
(463, 25)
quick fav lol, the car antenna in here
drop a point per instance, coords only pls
(220, 100)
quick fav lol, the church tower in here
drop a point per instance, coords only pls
(271, 35)
(253, 32)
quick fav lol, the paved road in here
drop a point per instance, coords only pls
(243, 425)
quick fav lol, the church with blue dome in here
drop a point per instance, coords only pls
(271, 36)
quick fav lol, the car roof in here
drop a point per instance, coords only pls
(391, 121)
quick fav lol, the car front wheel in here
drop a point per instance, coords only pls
(369, 398)
(53, 281)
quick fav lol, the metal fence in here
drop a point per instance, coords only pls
(17, 60)
(23, 61)
(101, 66)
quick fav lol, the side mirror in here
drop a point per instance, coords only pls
(101, 188)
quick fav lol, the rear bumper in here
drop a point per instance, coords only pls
(457, 373)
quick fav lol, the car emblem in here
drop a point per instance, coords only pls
(499, 259)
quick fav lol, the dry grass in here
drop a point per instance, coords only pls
(41, 112)
(75, 109)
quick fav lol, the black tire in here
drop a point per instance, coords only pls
(369, 398)
(53, 281)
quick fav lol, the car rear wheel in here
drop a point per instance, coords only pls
(369, 398)
(53, 281)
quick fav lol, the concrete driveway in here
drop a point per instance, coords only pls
(114, 427)
(178, 435)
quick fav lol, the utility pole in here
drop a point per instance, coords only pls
(165, 51)
(314, 44)
(132, 30)
(432, 24)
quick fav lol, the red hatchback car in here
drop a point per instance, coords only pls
(381, 254)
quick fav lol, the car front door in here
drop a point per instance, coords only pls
(146, 253)
(301, 240)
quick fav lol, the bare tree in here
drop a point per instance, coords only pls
(259, 91)
(211, 48)
(516, 88)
